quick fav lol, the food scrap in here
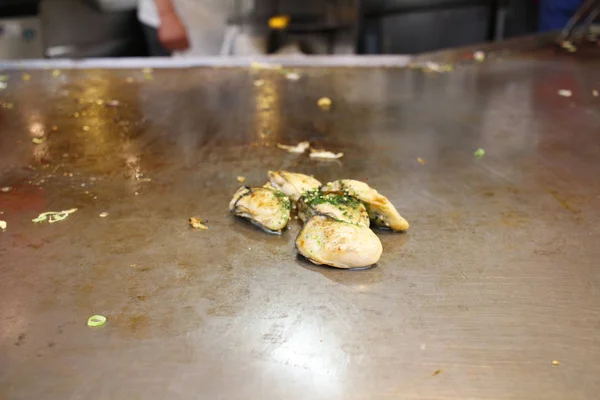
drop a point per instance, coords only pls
(595, 93)
(324, 103)
(299, 148)
(439, 371)
(324, 154)
(479, 56)
(292, 76)
(103, 215)
(430, 66)
(5, 189)
(196, 223)
(258, 66)
(259, 83)
(55, 73)
(556, 363)
(96, 320)
(421, 161)
(54, 216)
(3, 225)
(112, 103)
(37, 140)
(3, 85)
(567, 45)
(565, 93)
(26, 77)
(241, 179)
(479, 153)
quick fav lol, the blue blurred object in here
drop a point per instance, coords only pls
(554, 14)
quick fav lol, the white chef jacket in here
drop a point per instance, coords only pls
(206, 24)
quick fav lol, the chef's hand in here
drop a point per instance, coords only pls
(172, 33)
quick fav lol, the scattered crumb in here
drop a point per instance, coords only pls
(54, 216)
(324, 103)
(479, 56)
(26, 77)
(439, 371)
(36, 140)
(85, 128)
(241, 179)
(421, 161)
(479, 153)
(567, 45)
(99, 102)
(3, 85)
(292, 76)
(129, 79)
(113, 103)
(565, 93)
(196, 223)
(257, 66)
(54, 128)
(595, 93)
(55, 73)
(555, 363)
(103, 215)
(147, 70)
(76, 115)
(3, 78)
(299, 148)
(5, 189)
(3, 225)
(325, 154)
(436, 67)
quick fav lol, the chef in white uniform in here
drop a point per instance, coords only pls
(193, 28)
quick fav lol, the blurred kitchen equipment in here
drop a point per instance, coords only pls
(580, 24)
(20, 30)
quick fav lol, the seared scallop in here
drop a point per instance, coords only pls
(293, 184)
(337, 206)
(381, 211)
(265, 207)
(324, 240)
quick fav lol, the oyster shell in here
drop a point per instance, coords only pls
(324, 240)
(337, 206)
(381, 211)
(267, 208)
(293, 184)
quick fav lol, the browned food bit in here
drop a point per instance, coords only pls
(196, 223)
(325, 103)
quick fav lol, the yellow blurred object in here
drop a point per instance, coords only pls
(279, 22)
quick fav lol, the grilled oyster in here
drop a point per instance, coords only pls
(381, 211)
(324, 240)
(337, 206)
(265, 207)
(292, 184)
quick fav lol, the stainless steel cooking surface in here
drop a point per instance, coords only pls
(496, 279)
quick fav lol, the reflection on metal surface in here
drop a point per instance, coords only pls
(268, 111)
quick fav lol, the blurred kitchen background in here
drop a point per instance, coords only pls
(109, 28)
